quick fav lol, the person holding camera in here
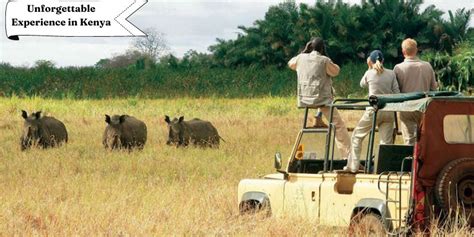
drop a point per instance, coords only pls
(314, 73)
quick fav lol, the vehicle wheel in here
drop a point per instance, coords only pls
(454, 188)
(253, 207)
(367, 224)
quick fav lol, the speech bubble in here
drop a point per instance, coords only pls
(80, 18)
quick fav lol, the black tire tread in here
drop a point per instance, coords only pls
(356, 220)
(253, 206)
(444, 177)
(453, 172)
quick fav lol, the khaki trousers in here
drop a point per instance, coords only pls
(409, 125)
(343, 141)
(385, 123)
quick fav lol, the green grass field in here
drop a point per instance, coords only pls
(82, 189)
(164, 82)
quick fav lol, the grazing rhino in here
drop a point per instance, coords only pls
(197, 132)
(124, 131)
(43, 131)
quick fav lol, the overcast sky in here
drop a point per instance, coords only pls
(187, 24)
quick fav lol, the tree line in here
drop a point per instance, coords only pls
(254, 63)
(350, 31)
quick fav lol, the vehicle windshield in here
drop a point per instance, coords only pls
(311, 147)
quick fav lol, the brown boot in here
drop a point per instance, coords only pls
(319, 123)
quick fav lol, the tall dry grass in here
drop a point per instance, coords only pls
(82, 189)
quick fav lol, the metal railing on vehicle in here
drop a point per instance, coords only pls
(397, 201)
(343, 104)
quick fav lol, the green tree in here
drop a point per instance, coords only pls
(350, 31)
(44, 64)
(129, 58)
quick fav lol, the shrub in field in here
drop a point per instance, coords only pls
(454, 72)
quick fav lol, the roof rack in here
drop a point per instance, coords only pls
(379, 101)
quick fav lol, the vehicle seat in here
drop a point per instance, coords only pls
(390, 158)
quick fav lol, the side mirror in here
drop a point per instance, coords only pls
(277, 161)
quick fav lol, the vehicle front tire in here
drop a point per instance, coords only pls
(253, 207)
(367, 224)
(454, 190)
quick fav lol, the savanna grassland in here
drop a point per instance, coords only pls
(83, 189)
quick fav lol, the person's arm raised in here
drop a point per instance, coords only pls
(332, 69)
(363, 82)
(292, 63)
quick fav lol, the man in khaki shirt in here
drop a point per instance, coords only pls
(413, 75)
(314, 72)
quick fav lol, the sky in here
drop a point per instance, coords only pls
(187, 24)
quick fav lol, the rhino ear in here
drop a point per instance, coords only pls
(107, 119)
(181, 119)
(122, 118)
(37, 115)
(167, 119)
(24, 114)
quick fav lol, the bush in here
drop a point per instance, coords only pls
(454, 73)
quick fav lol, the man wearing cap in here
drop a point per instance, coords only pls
(413, 75)
(380, 81)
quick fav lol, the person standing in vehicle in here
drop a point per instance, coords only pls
(314, 72)
(413, 75)
(380, 81)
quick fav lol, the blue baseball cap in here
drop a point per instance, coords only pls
(376, 55)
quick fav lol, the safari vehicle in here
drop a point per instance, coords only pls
(400, 189)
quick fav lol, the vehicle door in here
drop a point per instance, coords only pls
(302, 189)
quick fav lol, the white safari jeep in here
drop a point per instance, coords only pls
(400, 189)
